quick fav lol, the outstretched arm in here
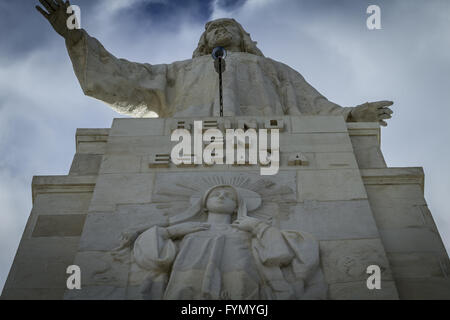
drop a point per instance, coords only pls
(130, 88)
(56, 14)
(377, 111)
(305, 99)
(372, 112)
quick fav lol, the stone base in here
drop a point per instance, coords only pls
(361, 212)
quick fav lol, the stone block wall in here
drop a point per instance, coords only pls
(418, 258)
(360, 211)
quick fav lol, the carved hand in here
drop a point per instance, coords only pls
(182, 229)
(57, 15)
(372, 112)
(248, 224)
(128, 237)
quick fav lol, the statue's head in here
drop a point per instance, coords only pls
(222, 200)
(227, 33)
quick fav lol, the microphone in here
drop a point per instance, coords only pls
(219, 54)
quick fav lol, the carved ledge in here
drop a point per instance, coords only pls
(364, 129)
(62, 184)
(90, 136)
(409, 175)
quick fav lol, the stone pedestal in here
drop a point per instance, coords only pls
(361, 212)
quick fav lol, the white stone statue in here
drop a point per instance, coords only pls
(214, 250)
(252, 83)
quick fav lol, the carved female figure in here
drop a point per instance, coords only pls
(228, 256)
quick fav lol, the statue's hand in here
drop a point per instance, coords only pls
(56, 14)
(182, 229)
(248, 224)
(372, 112)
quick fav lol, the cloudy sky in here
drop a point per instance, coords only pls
(327, 41)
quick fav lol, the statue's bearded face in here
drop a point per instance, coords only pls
(224, 33)
(222, 200)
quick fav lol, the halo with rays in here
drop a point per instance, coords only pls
(253, 190)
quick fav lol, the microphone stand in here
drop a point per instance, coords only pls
(220, 87)
(219, 55)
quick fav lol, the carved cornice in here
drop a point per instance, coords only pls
(409, 175)
(364, 129)
(91, 135)
(62, 184)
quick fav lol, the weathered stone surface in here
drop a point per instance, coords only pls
(335, 160)
(85, 164)
(393, 176)
(33, 294)
(115, 163)
(316, 142)
(423, 288)
(221, 123)
(367, 152)
(140, 145)
(330, 185)
(91, 141)
(316, 198)
(358, 291)
(62, 203)
(311, 124)
(332, 219)
(134, 293)
(419, 265)
(394, 195)
(59, 225)
(298, 159)
(363, 128)
(96, 293)
(313, 199)
(137, 277)
(101, 269)
(347, 260)
(401, 216)
(411, 240)
(275, 124)
(103, 231)
(91, 147)
(182, 185)
(41, 263)
(62, 184)
(112, 189)
(216, 230)
(123, 127)
(40, 273)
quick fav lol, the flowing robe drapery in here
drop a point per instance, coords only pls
(252, 85)
(226, 263)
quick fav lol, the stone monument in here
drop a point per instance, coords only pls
(141, 227)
